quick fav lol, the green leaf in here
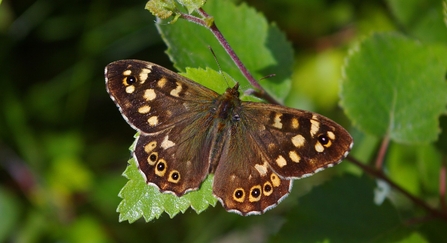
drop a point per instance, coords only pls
(261, 47)
(214, 80)
(395, 86)
(341, 211)
(192, 5)
(163, 9)
(143, 200)
(422, 19)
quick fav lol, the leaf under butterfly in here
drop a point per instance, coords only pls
(142, 200)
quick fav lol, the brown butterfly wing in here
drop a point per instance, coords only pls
(269, 146)
(171, 114)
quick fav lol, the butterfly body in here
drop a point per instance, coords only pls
(187, 131)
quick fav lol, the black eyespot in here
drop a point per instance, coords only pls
(153, 157)
(130, 80)
(323, 139)
(160, 166)
(175, 176)
(255, 192)
(267, 188)
(238, 193)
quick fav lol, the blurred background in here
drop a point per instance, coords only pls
(63, 143)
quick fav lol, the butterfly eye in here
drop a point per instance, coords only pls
(130, 80)
(236, 117)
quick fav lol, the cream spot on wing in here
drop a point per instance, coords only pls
(295, 123)
(318, 147)
(294, 156)
(144, 109)
(175, 92)
(298, 140)
(150, 146)
(127, 72)
(149, 94)
(281, 162)
(315, 126)
(153, 120)
(161, 83)
(143, 74)
(277, 121)
(130, 89)
(331, 135)
(166, 143)
(262, 169)
(275, 180)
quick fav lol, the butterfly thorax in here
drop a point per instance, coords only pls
(226, 114)
(226, 105)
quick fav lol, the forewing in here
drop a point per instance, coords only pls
(152, 98)
(297, 143)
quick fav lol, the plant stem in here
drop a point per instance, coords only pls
(382, 152)
(380, 175)
(224, 43)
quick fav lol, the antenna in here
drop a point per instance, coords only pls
(218, 64)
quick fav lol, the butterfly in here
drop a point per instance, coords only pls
(187, 131)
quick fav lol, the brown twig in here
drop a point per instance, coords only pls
(380, 175)
(224, 43)
(382, 151)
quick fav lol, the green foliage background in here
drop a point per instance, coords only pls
(64, 145)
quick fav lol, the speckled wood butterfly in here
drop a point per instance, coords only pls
(187, 131)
